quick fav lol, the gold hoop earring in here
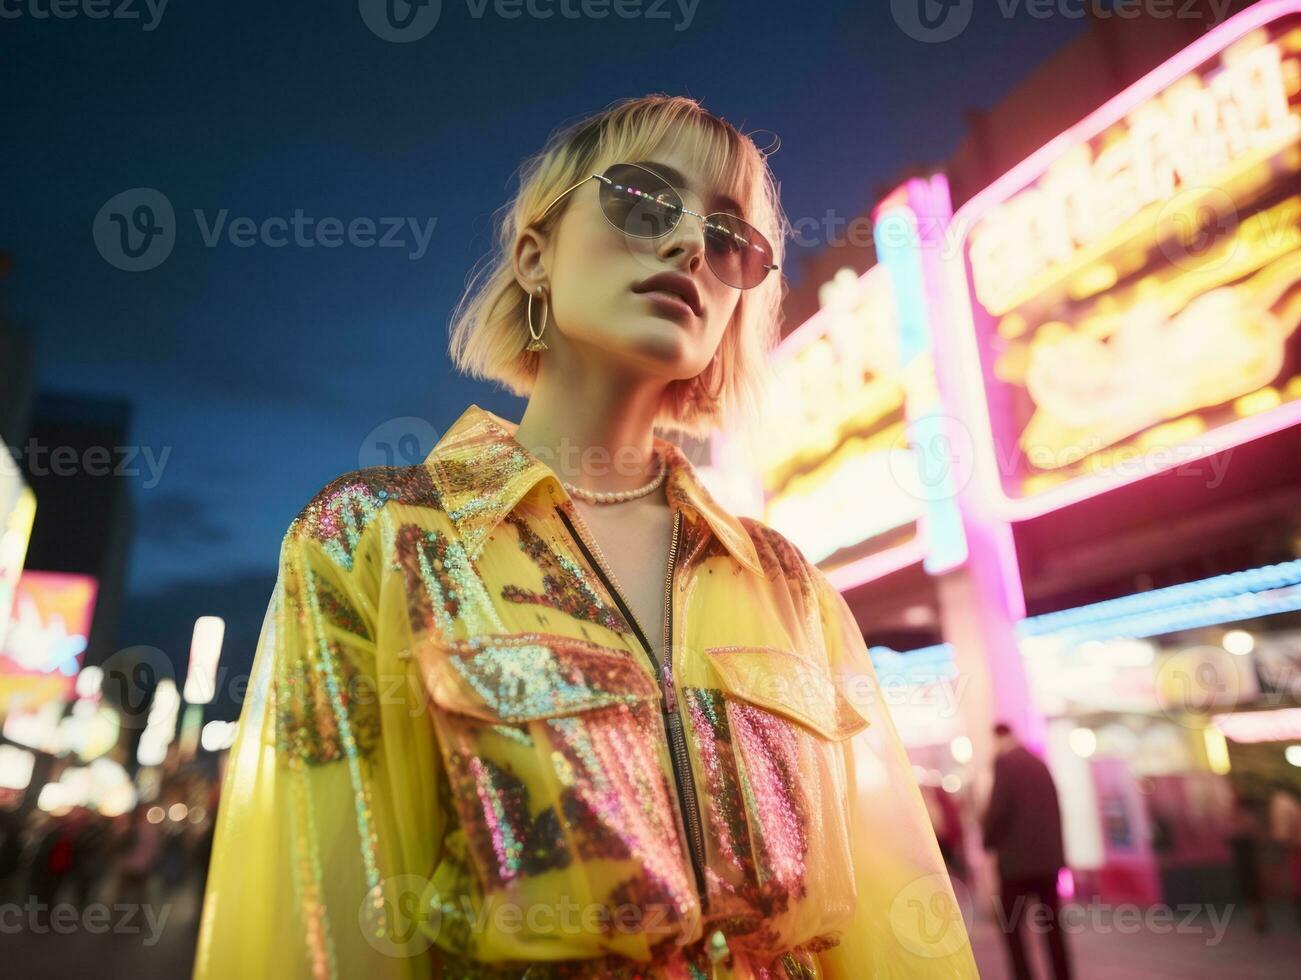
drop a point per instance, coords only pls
(535, 339)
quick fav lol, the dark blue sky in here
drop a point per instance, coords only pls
(261, 371)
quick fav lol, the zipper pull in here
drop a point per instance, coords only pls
(666, 682)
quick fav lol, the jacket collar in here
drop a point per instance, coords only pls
(481, 472)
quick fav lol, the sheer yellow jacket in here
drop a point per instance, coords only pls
(458, 756)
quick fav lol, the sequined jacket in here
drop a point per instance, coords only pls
(459, 754)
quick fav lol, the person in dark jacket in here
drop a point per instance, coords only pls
(1023, 826)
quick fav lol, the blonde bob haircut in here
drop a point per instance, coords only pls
(489, 328)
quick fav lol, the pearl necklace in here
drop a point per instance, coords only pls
(618, 496)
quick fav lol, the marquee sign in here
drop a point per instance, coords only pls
(1135, 286)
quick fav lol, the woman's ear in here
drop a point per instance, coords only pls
(530, 259)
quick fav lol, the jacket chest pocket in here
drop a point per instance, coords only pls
(770, 738)
(557, 765)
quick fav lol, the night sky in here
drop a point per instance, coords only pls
(264, 372)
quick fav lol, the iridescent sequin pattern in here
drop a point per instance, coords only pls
(555, 753)
(567, 586)
(324, 704)
(307, 727)
(339, 513)
(783, 561)
(553, 772)
(444, 591)
(554, 748)
(481, 473)
(744, 882)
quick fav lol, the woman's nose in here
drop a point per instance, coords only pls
(687, 238)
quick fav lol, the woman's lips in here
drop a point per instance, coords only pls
(670, 303)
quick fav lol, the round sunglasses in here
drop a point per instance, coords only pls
(642, 204)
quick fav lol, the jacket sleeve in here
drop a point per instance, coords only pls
(328, 819)
(907, 922)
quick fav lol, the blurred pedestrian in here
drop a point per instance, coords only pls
(137, 866)
(1023, 826)
(51, 864)
(11, 853)
(946, 818)
(1285, 830)
(1245, 834)
(88, 855)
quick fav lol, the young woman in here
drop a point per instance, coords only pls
(540, 706)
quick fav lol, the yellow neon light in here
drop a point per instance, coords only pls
(1217, 750)
(1258, 401)
(1196, 134)
(1157, 366)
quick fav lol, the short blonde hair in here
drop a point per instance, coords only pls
(489, 329)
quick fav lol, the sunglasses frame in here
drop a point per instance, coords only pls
(704, 218)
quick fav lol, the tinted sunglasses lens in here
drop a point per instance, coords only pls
(638, 203)
(739, 255)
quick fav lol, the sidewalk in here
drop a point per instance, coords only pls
(1115, 952)
(1140, 954)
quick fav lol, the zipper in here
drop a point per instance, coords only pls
(679, 757)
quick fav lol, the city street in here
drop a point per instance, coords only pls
(1113, 955)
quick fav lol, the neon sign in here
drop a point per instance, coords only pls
(50, 626)
(1135, 286)
(831, 429)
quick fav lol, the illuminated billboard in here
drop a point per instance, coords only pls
(831, 427)
(1135, 286)
(845, 444)
(47, 634)
(17, 512)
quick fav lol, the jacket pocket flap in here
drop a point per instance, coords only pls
(514, 678)
(788, 685)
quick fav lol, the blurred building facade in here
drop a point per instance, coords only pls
(1131, 604)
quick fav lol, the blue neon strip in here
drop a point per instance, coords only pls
(1227, 598)
(924, 665)
(901, 256)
